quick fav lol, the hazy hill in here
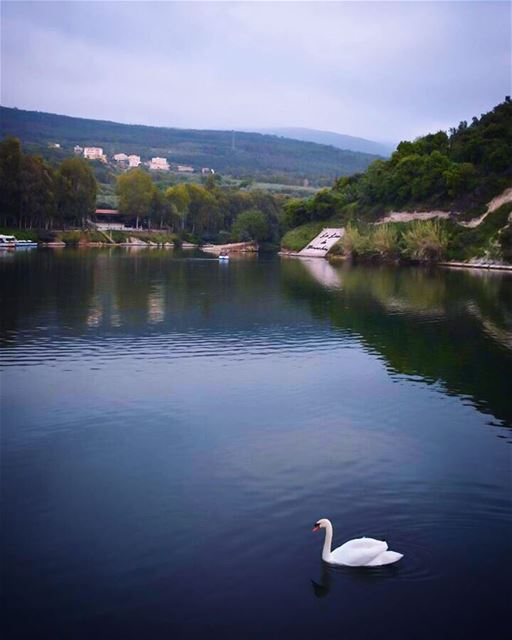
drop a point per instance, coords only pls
(238, 154)
(339, 140)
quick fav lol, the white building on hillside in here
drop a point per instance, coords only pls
(93, 153)
(120, 157)
(159, 164)
(133, 161)
(78, 150)
(185, 168)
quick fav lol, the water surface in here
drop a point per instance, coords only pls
(172, 427)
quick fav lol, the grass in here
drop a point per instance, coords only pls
(425, 241)
(297, 238)
(421, 240)
(286, 189)
(385, 241)
(159, 237)
(356, 241)
(78, 236)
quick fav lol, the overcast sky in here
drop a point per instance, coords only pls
(381, 70)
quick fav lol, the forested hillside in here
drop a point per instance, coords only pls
(456, 171)
(264, 157)
(42, 198)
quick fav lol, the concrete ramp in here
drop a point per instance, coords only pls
(319, 246)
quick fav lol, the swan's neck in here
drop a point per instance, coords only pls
(326, 552)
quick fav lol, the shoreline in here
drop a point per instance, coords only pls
(446, 264)
(474, 265)
(234, 247)
(244, 248)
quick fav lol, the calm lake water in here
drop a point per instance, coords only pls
(172, 427)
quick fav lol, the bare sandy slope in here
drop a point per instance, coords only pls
(408, 216)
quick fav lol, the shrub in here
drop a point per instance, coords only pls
(46, 236)
(506, 243)
(425, 240)
(336, 250)
(71, 237)
(356, 242)
(466, 243)
(94, 236)
(385, 241)
(250, 225)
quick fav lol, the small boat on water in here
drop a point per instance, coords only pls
(7, 242)
(11, 242)
(223, 257)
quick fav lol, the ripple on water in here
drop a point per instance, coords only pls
(276, 408)
(417, 565)
(169, 346)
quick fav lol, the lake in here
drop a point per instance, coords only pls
(173, 427)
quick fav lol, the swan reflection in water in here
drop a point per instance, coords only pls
(322, 588)
(330, 575)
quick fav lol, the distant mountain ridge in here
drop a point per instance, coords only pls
(240, 154)
(339, 140)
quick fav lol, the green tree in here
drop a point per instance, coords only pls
(160, 211)
(179, 200)
(135, 190)
(297, 212)
(77, 189)
(211, 181)
(10, 180)
(251, 225)
(204, 214)
(38, 193)
(460, 178)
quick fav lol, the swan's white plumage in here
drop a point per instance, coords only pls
(388, 557)
(360, 552)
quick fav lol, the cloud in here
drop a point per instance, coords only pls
(377, 69)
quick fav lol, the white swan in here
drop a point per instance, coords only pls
(361, 552)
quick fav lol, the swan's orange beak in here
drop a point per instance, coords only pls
(316, 528)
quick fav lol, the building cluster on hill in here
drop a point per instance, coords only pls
(131, 161)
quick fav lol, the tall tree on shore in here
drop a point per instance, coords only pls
(76, 191)
(204, 214)
(10, 184)
(160, 211)
(136, 191)
(38, 193)
(178, 198)
(251, 225)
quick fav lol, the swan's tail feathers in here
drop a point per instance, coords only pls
(386, 557)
